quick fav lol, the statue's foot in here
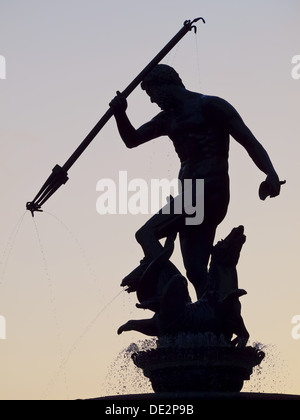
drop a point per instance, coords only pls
(125, 327)
(151, 304)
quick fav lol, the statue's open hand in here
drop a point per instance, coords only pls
(270, 187)
(119, 103)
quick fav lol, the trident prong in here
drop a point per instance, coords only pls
(191, 23)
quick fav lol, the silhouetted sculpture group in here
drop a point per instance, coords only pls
(200, 127)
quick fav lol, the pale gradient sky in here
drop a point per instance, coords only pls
(65, 60)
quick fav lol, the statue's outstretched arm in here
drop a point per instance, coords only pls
(133, 137)
(242, 134)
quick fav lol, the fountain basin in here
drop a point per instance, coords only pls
(202, 369)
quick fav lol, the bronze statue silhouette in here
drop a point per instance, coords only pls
(200, 127)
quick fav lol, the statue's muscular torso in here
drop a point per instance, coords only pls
(199, 135)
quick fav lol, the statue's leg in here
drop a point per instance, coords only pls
(197, 240)
(196, 245)
(168, 222)
(159, 226)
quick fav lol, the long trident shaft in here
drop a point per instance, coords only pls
(59, 175)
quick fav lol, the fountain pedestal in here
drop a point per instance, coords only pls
(199, 369)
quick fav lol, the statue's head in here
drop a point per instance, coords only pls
(160, 83)
(162, 75)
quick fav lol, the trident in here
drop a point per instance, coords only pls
(59, 175)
